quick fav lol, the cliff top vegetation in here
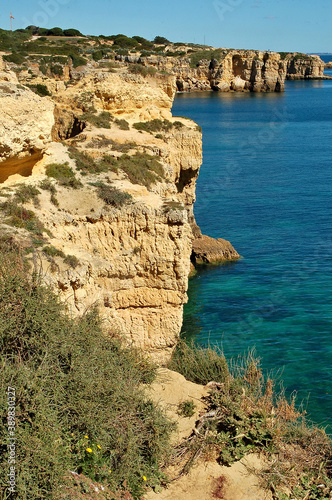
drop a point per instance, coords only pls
(53, 48)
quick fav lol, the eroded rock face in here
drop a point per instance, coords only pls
(253, 71)
(134, 264)
(126, 95)
(238, 70)
(301, 68)
(133, 261)
(26, 120)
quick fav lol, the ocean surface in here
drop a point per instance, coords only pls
(266, 185)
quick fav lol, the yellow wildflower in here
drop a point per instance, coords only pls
(110, 471)
(98, 446)
(89, 450)
(86, 437)
(144, 478)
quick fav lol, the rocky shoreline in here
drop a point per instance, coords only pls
(229, 70)
(132, 258)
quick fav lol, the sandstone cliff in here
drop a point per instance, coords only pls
(128, 255)
(304, 67)
(235, 70)
(26, 119)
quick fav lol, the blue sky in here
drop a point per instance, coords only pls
(281, 25)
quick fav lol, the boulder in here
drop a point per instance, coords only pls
(207, 250)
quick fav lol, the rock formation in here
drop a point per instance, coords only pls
(304, 67)
(208, 250)
(26, 120)
(132, 260)
(236, 70)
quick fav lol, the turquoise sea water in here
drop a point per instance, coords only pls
(265, 185)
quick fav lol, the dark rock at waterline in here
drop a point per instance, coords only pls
(207, 250)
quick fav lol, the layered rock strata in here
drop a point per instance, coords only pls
(130, 259)
(304, 68)
(236, 70)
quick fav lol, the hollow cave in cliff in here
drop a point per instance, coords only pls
(22, 166)
(185, 178)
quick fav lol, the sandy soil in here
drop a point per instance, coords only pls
(206, 480)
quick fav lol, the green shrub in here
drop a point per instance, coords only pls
(57, 69)
(39, 89)
(186, 408)
(102, 120)
(76, 390)
(122, 124)
(155, 125)
(97, 55)
(71, 260)
(43, 68)
(100, 141)
(48, 186)
(161, 40)
(14, 58)
(246, 414)
(72, 32)
(25, 193)
(42, 32)
(53, 252)
(124, 42)
(109, 163)
(113, 196)
(55, 32)
(140, 39)
(63, 174)
(172, 205)
(139, 69)
(85, 163)
(78, 60)
(109, 65)
(141, 168)
(42, 90)
(208, 54)
(301, 57)
(18, 216)
(283, 55)
(199, 365)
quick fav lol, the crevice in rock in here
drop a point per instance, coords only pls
(67, 125)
